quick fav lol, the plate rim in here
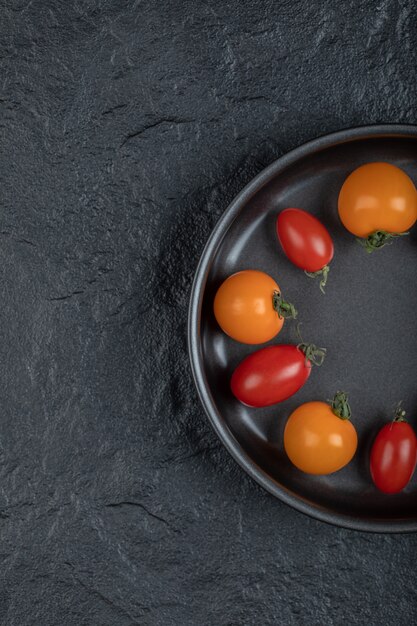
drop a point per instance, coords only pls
(219, 425)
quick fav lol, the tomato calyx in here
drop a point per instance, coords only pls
(399, 415)
(340, 405)
(312, 353)
(323, 273)
(378, 239)
(284, 309)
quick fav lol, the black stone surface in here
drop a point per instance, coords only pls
(126, 127)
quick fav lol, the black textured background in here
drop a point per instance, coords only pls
(126, 127)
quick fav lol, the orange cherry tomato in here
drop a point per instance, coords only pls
(375, 198)
(319, 438)
(249, 308)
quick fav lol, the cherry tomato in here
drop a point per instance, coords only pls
(306, 242)
(319, 438)
(275, 373)
(377, 200)
(394, 455)
(249, 307)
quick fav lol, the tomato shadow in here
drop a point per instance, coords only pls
(365, 441)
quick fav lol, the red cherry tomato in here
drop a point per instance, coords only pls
(305, 241)
(273, 374)
(394, 456)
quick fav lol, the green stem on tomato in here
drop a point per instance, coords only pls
(284, 309)
(312, 353)
(323, 273)
(399, 414)
(378, 239)
(340, 405)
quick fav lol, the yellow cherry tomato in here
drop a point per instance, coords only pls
(248, 307)
(377, 198)
(317, 440)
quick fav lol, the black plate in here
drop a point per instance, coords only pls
(366, 320)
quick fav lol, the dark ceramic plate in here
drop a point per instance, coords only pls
(366, 320)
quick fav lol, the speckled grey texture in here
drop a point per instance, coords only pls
(126, 127)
